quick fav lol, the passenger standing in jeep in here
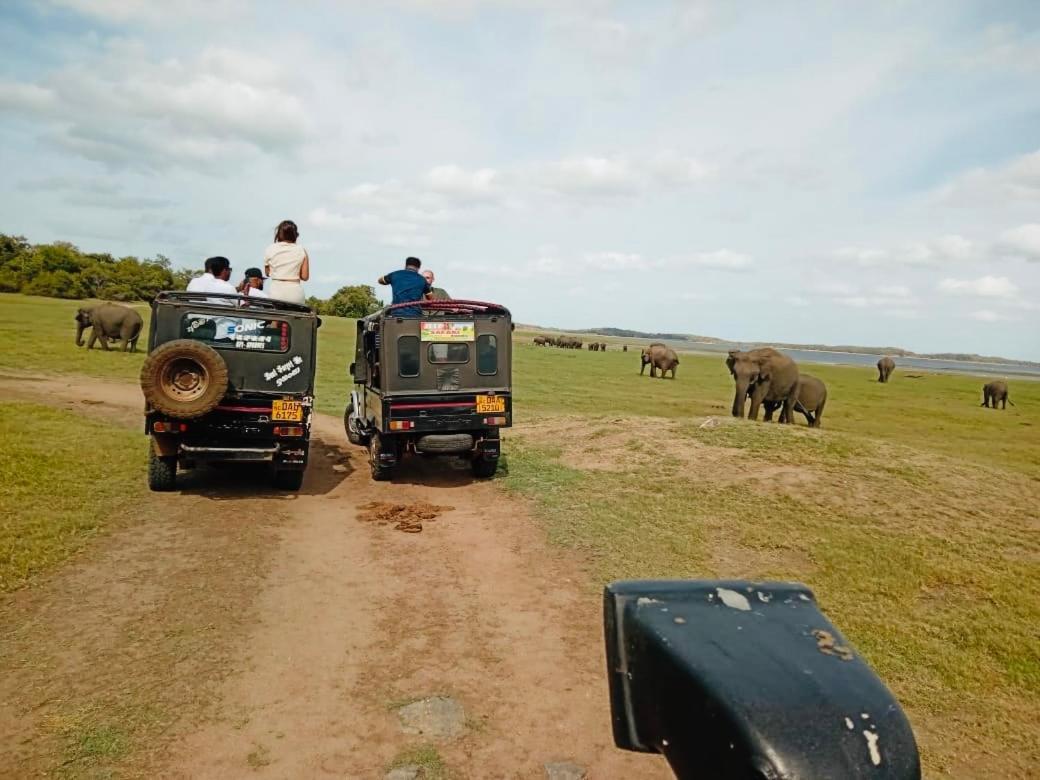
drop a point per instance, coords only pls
(408, 285)
(287, 264)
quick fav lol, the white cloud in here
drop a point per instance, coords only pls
(988, 315)
(1023, 241)
(125, 107)
(894, 291)
(616, 176)
(1015, 180)
(984, 286)
(722, 259)
(945, 249)
(32, 98)
(152, 13)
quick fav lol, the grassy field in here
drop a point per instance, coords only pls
(911, 513)
(55, 494)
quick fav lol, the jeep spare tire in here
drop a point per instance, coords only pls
(184, 378)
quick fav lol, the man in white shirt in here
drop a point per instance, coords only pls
(215, 279)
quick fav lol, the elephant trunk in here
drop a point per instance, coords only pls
(740, 397)
(79, 333)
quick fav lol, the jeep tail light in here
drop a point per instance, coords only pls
(495, 420)
(169, 427)
(288, 430)
(401, 425)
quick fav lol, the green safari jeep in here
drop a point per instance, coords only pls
(436, 384)
(228, 378)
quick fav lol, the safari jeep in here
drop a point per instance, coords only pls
(438, 384)
(228, 378)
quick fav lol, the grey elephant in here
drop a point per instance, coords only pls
(812, 396)
(660, 358)
(540, 341)
(602, 347)
(764, 374)
(996, 392)
(109, 321)
(885, 367)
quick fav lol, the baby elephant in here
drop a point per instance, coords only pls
(109, 321)
(812, 395)
(996, 392)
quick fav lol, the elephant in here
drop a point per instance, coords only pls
(996, 392)
(766, 375)
(109, 321)
(885, 367)
(624, 348)
(660, 358)
(812, 396)
(594, 347)
(602, 347)
(540, 341)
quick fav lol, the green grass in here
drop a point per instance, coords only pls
(66, 479)
(912, 513)
(39, 335)
(427, 758)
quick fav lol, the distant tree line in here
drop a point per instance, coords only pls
(61, 270)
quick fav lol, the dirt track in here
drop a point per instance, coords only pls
(324, 621)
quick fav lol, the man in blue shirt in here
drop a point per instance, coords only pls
(407, 286)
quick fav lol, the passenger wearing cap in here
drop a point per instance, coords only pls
(252, 285)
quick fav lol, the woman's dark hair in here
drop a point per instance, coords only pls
(286, 231)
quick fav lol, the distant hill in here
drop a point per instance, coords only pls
(895, 351)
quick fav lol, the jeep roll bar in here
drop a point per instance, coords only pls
(734, 679)
(450, 306)
(270, 304)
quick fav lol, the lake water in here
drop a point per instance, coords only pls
(1023, 370)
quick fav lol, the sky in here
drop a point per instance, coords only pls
(839, 173)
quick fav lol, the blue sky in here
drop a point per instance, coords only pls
(795, 172)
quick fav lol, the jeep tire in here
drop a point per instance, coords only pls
(184, 379)
(380, 471)
(162, 471)
(484, 468)
(352, 436)
(288, 480)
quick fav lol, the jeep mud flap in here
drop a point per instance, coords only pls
(489, 447)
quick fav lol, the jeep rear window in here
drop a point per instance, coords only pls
(487, 355)
(448, 353)
(408, 356)
(235, 332)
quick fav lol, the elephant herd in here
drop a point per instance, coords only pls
(992, 392)
(771, 380)
(563, 342)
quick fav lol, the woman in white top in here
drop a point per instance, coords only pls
(286, 264)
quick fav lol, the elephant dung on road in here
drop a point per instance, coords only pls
(812, 396)
(764, 374)
(996, 392)
(109, 321)
(885, 367)
(660, 358)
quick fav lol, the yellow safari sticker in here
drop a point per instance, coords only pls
(447, 331)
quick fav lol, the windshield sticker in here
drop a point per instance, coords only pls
(236, 332)
(447, 331)
(283, 372)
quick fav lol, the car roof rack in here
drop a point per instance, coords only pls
(451, 306)
(204, 298)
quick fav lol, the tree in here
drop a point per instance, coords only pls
(356, 300)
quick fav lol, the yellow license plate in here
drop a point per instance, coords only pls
(486, 404)
(287, 411)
